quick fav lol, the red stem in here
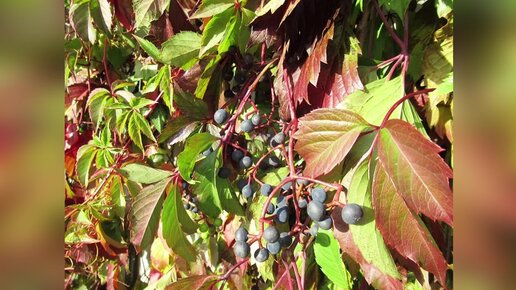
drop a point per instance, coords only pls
(389, 28)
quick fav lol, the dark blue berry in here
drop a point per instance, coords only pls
(285, 239)
(241, 235)
(281, 215)
(247, 191)
(245, 162)
(266, 189)
(271, 234)
(236, 155)
(278, 139)
(256, 119)
(271, 208)
(352, 213)
(315, 210)
(246, 126)
(325, 224)
(274, 248)
(261, 255)
(318, 194)
(241, 249)
(220, 116)
(273, 161)
(314, 229)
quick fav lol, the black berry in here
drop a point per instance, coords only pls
(247, 191)
(278, 139)
(285, 239)
(282, 215)
(302, 202)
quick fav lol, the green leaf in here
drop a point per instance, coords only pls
(182, 50)
(195, 145)
(172, 232)
(153, 83)
(138, 103)
(275, 176)
(228, 198)
(215, 29)
(81, 20)
(365, 234)
(121, 121)
(85, 156)
(190, 106)
(158, 117)
(143, 174)
(329, 258)
(397, 6)
(409, 114)
(144, 126)
(146, 11)
(145, 212)
(204, 80)
(134, 131)
(205, 187)
(149, 48)
(237, 31)
(325, 137)
(212, 7)
(443, 7)
(96, 104)
(375, 102)
(101, 12)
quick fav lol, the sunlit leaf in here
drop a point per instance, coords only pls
(419, 174)
(194, 146)
(328, 257)
(212, 7)
(325, 136)
(182, 50)
(402, 229)
(85, 157)
(143, 174)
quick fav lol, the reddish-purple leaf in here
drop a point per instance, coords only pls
(280, 90)
(325, 137)
(402, 229)
(193, 283)
(145, 213)
(124, 13)
(311, 68)
(372, 274)
(419, 174)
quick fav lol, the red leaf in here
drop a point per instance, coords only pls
(124, 13)
(372, 274)
(280, 88)
(402, 229)
(193, 283)
(178, 18)
(311, 68)
(325, 137)
(337, 79)
(419, 174)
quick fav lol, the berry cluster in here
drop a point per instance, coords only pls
(303, 204)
